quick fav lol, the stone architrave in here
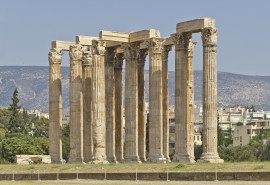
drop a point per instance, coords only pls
(110, 103)
(87, 106)
(165, 94)
(209, 40)
(183, 133)
(76, 105)
(98, 103)
(55, 106)
(155, 101)
(141, 106)
(131, 52)
(118, 107)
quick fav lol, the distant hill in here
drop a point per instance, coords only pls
(32, 83)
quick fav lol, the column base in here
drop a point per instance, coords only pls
(112, 159)
(168, 159)
(76, 160)
(99, 162)
(156, 158)
(143, 159)
(183, 158)
(132, 159)
(210, 158)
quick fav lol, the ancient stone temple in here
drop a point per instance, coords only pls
(109, 126)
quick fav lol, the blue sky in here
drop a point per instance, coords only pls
(27, 27)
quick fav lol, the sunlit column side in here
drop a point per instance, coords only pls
(181, 41)
(165, 93)
(87, 106)
(118, 107)
(209, 40)
(141, 106)
(98, 103)
(76, 105)
(110, 104)
(55, 106)
(155, 100)
(190, 102)
(131, 52)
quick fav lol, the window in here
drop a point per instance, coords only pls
(248, 131)
(240, 138)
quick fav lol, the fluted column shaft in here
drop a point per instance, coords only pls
(155, 100)
(87, 106)
(55, 106)
(141, 106)
(131, 103)
(209, 39)
(118, 108)
(110, 104)
(76, 105)
(183, 152)
(165, 105)
(98, 105)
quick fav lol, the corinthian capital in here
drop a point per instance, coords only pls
(181, 40)
(75, 52)
(209, 35)
(99, 47)
(131, 50)
(155, 45)
(110, 54)
(87, 58)
(55, 56)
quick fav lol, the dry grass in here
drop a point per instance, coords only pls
(131, 167)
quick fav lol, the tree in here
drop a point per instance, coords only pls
(16, 124)
(221, 138)
(41, 127)
(65, 142)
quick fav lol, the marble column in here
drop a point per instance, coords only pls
(183, 152)
(209, 40)
(76, 105)
(87, 106)
(55, 106)
(110, 104)
(131, 52)
(155, 101)
(118, 107)
(165, 93)
(141, 106)
(98, 103)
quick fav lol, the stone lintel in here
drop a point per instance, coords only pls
(114, 36)
(62, 45)
(168, 41)
(195, 25)
(143, 35)
(85, 40)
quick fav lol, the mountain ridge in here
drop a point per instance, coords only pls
(33, 87)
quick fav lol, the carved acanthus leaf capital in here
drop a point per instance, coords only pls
(87, 58)
(155, 45)
(131, 50)
(99, 47)
(181, 40)
(142, 56)
(55, 56)
(75, 52)
(209, 35)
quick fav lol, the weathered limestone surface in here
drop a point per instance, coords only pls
(85, 40)
(118, 107)
(141, 106)
(209, 39)
(110, 104)
(62, 45)
(30, 159)
(195, 25)
(76, 105)
(183, 153)
(55, 106)
(131, 52)
(143, 35)
(165, 93)
(155, 100)
(98, 103)
(87, 106)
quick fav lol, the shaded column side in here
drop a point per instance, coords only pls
(55, 106)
